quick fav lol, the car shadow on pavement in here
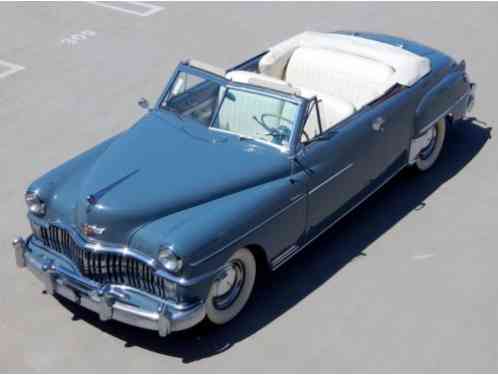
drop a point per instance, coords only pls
(280, 291)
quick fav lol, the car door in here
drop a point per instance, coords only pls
(336, 163)
(390, 120)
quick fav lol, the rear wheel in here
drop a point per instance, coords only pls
(231, 291)
(430, 153)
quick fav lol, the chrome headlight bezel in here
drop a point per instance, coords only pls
(35, 205)
(169, 260)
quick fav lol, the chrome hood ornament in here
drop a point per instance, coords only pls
(92, 199)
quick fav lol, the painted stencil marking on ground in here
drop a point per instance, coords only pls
(422, 256)
(7, 68)
(74, 39)
(131, 7)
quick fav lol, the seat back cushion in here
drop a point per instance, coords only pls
(356, 79)
(408, 66)
(332, 110)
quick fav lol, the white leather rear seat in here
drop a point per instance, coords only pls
(408, 66)
(357, 80)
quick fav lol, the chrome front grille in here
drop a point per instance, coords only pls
(106, 267)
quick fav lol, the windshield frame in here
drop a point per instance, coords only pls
(300, 101)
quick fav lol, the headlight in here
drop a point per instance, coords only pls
(34, 203)
(170, 260)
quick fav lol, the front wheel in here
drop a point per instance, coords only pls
(230, 292)
(430, 153)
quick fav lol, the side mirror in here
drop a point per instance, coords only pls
(144, 103)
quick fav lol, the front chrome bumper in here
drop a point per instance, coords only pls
(117, 302)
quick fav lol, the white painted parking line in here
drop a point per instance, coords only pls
(74, 39)
(131, 7)
(11, 68)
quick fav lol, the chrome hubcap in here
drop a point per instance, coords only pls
(431, 144)
(228, 286)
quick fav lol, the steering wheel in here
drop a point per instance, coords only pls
(281, 132)
(279, 117)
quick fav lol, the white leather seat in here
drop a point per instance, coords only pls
(355, 79)
(332, 109)
(408, 66)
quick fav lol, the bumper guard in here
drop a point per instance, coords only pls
(108, 301)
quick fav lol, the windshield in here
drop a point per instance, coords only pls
(248, 112)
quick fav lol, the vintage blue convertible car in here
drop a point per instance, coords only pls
(169, 222)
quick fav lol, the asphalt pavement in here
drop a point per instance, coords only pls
(408, 282)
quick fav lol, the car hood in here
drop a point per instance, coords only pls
(164, 165)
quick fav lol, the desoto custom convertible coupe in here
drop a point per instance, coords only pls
(169, 222)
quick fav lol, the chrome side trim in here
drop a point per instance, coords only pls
(335, 175)
(249, 232)
(281, 259)
(427, 127)
(287, 253)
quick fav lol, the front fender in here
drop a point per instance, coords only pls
(205, 236)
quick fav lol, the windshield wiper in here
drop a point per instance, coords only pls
(246, 138)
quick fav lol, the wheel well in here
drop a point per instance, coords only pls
(260, 256)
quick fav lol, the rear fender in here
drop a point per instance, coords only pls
(447, 97)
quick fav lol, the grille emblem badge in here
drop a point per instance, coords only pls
(92, 230)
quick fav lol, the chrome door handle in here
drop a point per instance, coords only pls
(378, 124)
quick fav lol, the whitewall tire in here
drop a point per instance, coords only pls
(230, 292)
(429, 154)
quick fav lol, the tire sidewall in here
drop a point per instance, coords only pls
(424, 164)
(218, 316)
